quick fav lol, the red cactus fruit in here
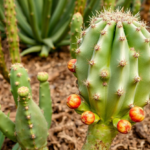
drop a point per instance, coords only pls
(124, 126)
(73, 101)
(137, 114)
(87, 117)
(71, 65)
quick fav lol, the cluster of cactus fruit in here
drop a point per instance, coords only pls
(31, 125)
(111, 64)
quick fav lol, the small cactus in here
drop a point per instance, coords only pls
(31, 125)
(112, 68)
(12, 37)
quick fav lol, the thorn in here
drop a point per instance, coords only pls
(131, 106)
(137, 79)
(83, 33)
(97, 47)
(91, 62)
(28, 117)
(86, 83)
(96, 97)
(16, 83)
(136, 55)
(26, 108)
(78, 51)
(119, 92)
(138, 29)
(122, 63)
(19, 74)
(104, 83)
(33, 136)
(103, 32)
(104, 74)
(79, 41)
(147, 40)
(31, 126)
(132, 49)
(119, 24)
(93, 25)
(122, 38)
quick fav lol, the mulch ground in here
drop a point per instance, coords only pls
(67, 132)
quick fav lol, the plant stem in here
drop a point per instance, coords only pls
(99, 137)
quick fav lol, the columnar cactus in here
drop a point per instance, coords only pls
(9, 18)
(3, 67)
(112, 68)
(11, 30)
(31, 126)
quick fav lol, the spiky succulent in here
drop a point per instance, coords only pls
(112, 67)
(31, 125)
(9, 17)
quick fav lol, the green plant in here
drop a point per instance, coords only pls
(12, 37)
(112, 68)
(31, 125)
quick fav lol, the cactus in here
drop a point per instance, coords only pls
(76, 25)
(11, 30)
(112, 67)
(12, 37)
(3, 67)
(31, 125)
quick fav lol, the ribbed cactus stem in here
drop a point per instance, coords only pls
(99, 137)
(76, 25)
(18, 78)
(45, 102)
(112, 67)
(30, 124)
(11, 30)
(3, 67)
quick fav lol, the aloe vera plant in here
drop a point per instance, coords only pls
(112, 67)
(31, 125)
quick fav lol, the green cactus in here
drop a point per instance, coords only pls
(31, 125)
(3, 67)
(112, 67)
(12, 37)
(76, 25)
(11, 30)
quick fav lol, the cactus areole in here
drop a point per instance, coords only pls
(113, 71)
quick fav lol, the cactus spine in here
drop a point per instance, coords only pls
(112, 67)
(31, 125)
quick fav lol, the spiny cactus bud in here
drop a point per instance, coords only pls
(88, 117)
(137, 114)
(23, 91)
(71, 65)
(124, 126)
(42, 76)
(73, 101)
